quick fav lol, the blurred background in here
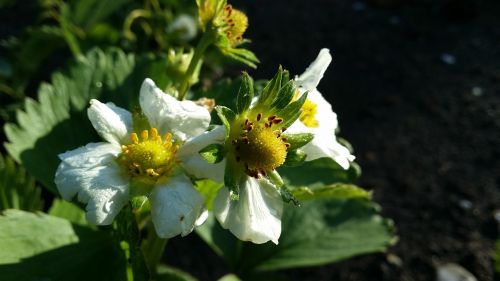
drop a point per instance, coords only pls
(415, 84)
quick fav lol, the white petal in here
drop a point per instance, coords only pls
(111, 122)
(327, 119)
(327, 146)
(184, 119)
(176, 207)
(256, 216)
(92, 173)
(313, 74)
(194, 164)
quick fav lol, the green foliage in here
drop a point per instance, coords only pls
(213, 153)
(339, 191)
(58, 122)
(17, 189)
(43, 247)
(208, 189)
(319, 172)
(319, 232)
(168, 273)
(69, 211)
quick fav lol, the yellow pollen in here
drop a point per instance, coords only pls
(150, 157)
(259, 146)
(236, 24)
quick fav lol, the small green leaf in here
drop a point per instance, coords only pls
(43, 247)
(69, 211)
(213, 153)
(294, 158)
(245, 94)
(292, 111)
(298, 140)
(338, 191)
(226, 115)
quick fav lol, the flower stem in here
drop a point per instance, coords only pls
(153, 250)
(206, 40)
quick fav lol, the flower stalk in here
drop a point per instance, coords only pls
(206, 40)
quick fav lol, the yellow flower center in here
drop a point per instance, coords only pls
(309, 111)
(258, 145)
(150, 158)
(236, 24)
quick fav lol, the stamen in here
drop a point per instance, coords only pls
(259, 116)
(144, 135)
(134, 138)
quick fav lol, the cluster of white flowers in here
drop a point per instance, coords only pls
(163, 159)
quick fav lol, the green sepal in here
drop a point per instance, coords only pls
(245, 94)
(232, 178)
(138, 203)
(285, 95)
(287, 196)
(226, 115)
(295, 158)
(213, 153)
(271, 90)
(275, 178)
(298, 140)
(242, 55)
(292, 111)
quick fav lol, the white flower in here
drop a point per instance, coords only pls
(104, 174)
(318, 117)
(256, 216)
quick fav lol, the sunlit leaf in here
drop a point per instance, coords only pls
(43, 247)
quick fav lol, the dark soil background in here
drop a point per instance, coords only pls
(426, 132)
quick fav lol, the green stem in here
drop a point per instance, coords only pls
(206, 40)
(153, 250)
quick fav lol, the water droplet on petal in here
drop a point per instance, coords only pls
(107, 206)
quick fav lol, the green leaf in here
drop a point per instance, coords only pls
(168, 273)
(337, 191)
(226, 115)
(298, 140)
(43, 247)
(17, 189)
(69, 211)
(319, 232)
(213, 153)
(245, 94)
(319, 172)
(58, 121)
